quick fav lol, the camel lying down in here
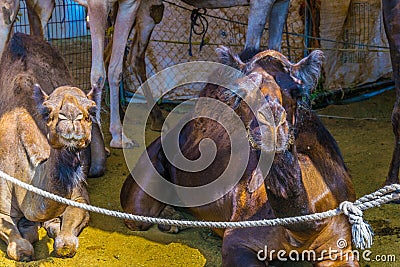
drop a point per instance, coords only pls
(307, 173)
(45, 138)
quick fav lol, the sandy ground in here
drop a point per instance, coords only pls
(366, 142)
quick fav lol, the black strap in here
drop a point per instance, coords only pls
(199, 21)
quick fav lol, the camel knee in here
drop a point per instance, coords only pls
(98, 74)
(29, 230)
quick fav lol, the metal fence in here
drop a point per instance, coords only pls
(170, 40)
(169, 43)
(67, 31)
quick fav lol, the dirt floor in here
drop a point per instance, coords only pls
(365, 138)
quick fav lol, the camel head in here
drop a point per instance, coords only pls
(68, 113)
(284, 86)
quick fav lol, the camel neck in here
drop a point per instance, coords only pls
(65, 169)
(59, 174)
(285, 186)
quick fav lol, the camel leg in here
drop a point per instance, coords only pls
(236, 251)
(277, 21)
(126, 14)
(18, 248)
(67, 229)
(149, 14)
(259, 10)
(98, 154)
(97, 11)
(29, 230)
(39, 12)
(133, 199)
(391, 15)
(8, 12)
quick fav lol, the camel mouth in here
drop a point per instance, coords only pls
(69, 141)
(269, 130)
(270, 139)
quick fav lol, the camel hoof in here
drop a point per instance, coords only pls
(21, 250)
(124, 143)
(108, 152)
(65, 247)
(157, 125)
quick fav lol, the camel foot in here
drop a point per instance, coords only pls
(170, 213)
(108, 151)
(20, 250)
(157, 119)
(156, 125)
(65, 246)
(123, 142)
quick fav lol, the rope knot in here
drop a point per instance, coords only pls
(361, 231)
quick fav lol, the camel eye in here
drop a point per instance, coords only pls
(62, 117)
(79, 117)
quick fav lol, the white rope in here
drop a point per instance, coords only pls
(362, 233)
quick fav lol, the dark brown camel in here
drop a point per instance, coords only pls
(45, 131)
(307, 175)
(391, 16)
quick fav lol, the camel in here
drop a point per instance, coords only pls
(45, 134)
(307, 174)
(149, 13)
(391, 18)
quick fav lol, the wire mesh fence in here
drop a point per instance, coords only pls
(169, 43)
(67, 31)
(171, 40)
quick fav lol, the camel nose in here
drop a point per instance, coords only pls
(272, 114)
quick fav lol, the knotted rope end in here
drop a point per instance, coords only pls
(361, 231)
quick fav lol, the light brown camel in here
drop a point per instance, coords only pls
(149, 12)
(45, 130)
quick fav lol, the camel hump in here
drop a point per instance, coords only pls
(32, 48)
(17, 47)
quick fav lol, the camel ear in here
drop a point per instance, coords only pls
(40, 97)
(227, 57)
(308, 71)
(95, 95)
(256, 180)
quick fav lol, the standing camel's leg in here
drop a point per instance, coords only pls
(391, 15)
(39, 12)
(259, 11)
(97, 11)
(277, 21)
(149, 14)
(8, 12)
(126, 14)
